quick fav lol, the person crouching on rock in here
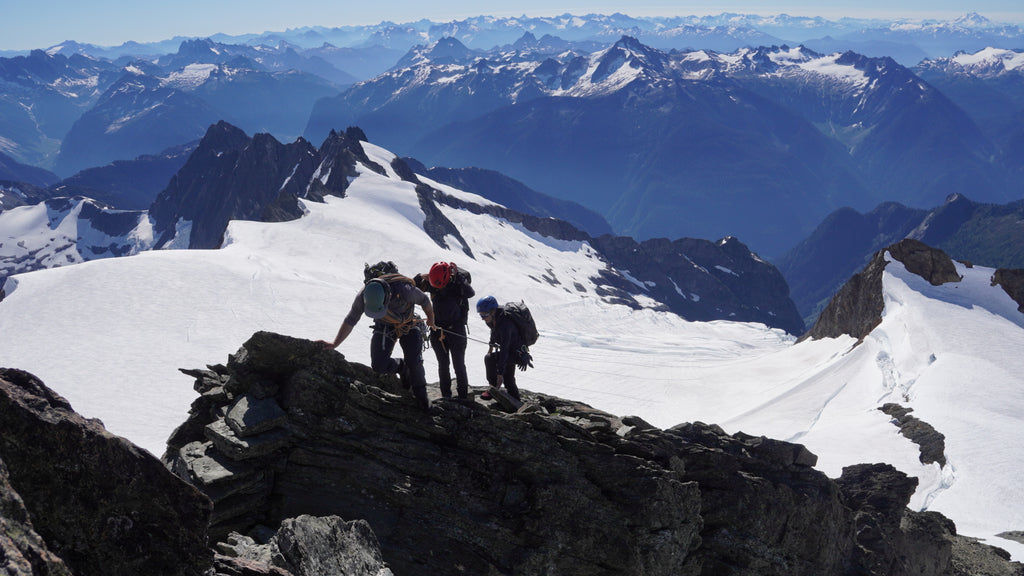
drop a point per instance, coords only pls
(391, 300)
(504, 346)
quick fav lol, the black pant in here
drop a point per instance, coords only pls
(382, 343)
(449, 346)
(509, 377)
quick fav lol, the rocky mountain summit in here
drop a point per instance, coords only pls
(297, 462)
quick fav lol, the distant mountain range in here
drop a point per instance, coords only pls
(760, 143)
(68, 114)
(651, 128)
(366, 50)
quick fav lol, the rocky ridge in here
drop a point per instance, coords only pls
(317, 466)
(287, 429)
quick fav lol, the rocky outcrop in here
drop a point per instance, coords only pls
(889, 538)
(703, 280)
(933, 265)
(856, 309)
(231, 176)
(932, 443)
(1012, 282)
(100, 504)
(287, 429)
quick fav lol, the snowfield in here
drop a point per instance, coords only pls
(110, 335)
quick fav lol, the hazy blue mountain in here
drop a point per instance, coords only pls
(760, 143)
(13, 171)
(41, 97)
(154, 107)
(987, 84)
(127, 184)
(139, 114)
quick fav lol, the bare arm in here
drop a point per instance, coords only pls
(428, 310)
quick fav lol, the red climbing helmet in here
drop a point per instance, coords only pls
(441, 274)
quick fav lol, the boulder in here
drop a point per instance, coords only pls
(932, 264)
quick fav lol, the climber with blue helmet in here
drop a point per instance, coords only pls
(505, 345)
(390, 300)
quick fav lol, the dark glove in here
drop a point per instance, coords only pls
(525, 360)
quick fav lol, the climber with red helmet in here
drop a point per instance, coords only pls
(390, 299)
(450, 290)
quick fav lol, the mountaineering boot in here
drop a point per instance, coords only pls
(420, 393)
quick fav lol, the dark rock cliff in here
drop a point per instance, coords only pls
(99, 503)
(286, 429)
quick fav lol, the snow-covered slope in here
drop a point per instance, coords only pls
(62, 231)
(111, 334)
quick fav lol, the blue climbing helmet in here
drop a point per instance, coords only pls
(486, 304)
(376, 295)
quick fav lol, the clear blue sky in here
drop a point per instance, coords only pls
(31, 24)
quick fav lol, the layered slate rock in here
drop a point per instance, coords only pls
(556, 487)
(101, 504)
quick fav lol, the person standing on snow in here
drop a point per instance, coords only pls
(450, 290)
(505, 347)
(391, 300)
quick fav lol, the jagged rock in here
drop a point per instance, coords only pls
(313, 546)
(1012, 282)
(230, 566)
(879, 494)
(703, 280)
(856, 309)
(557, 487)
(231, 176)
(103, 505)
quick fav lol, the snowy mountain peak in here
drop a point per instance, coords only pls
(972, 20)
(983, 63)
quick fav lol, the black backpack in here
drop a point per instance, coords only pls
(523, 319)
(379, 269)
